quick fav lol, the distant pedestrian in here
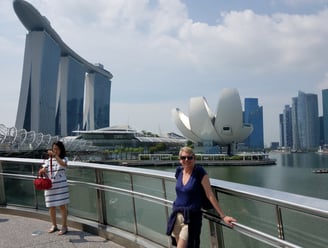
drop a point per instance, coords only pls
(58, 195)
(185, 222)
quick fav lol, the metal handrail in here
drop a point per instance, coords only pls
(253, 233)
(243, 229)
(308, 205)
(263, 237)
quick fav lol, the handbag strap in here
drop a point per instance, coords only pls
(50, 166)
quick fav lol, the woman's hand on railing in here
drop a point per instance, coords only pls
(229, 220)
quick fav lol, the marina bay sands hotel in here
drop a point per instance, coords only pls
(60, 91)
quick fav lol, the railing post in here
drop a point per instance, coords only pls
(134, 207)
(166, 210)
(2, 188)
(101, 201)
(36, 202)
(280, 225)
(165, 197)
(216, 232)
(216, 235)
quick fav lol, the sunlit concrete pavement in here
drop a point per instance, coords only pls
(22, 232)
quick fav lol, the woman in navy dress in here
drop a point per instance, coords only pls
(58, 195)
(185, 222)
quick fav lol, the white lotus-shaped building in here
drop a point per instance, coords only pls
(224, 128)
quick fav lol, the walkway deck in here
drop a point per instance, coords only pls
(23, 232)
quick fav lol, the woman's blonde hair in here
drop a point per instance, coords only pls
(186, 149)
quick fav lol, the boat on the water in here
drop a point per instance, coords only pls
(320, 171)
(323, 150)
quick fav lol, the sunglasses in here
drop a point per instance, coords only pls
(187, 157)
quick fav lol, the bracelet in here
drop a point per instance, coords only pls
(223, 216)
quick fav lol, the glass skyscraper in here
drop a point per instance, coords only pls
(296, 140)
(37, 101)
(325, 114)
(98, 94)
(253, 114)
(60, 91)
(70, 94)
(305, 122)
(308, 120)
(286, 136)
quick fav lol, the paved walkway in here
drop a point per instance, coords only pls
(22, 232)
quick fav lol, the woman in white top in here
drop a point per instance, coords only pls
(58, 195)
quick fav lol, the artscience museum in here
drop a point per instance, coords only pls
(224, 127)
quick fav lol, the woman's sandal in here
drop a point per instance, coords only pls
(63, 230)
(53, 229)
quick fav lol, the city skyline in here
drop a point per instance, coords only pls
(162, 53)
(301, 126)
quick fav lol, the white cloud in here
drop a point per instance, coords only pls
(160, 57)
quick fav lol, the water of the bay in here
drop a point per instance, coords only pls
(292, 173)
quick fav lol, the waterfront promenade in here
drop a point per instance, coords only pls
(120, 203)
(19, 232)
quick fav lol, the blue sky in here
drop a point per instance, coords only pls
(209, 10)
(162, 53)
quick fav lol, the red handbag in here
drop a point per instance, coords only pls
(43, 182)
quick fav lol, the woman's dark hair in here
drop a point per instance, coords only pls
(61, 147)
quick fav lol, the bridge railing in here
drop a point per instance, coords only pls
(133, 204)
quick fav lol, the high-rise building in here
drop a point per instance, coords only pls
(254, 115)
(307, 121)
(282, 130)
(321, 128)
(70, 92)
(299, 124)
(296, 141)
(60, 91)
(98, 93)
(37, 101)
(287, 123)
(325, 115)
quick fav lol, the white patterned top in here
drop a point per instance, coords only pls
(58, 195)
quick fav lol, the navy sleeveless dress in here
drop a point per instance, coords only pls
(189, 203)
